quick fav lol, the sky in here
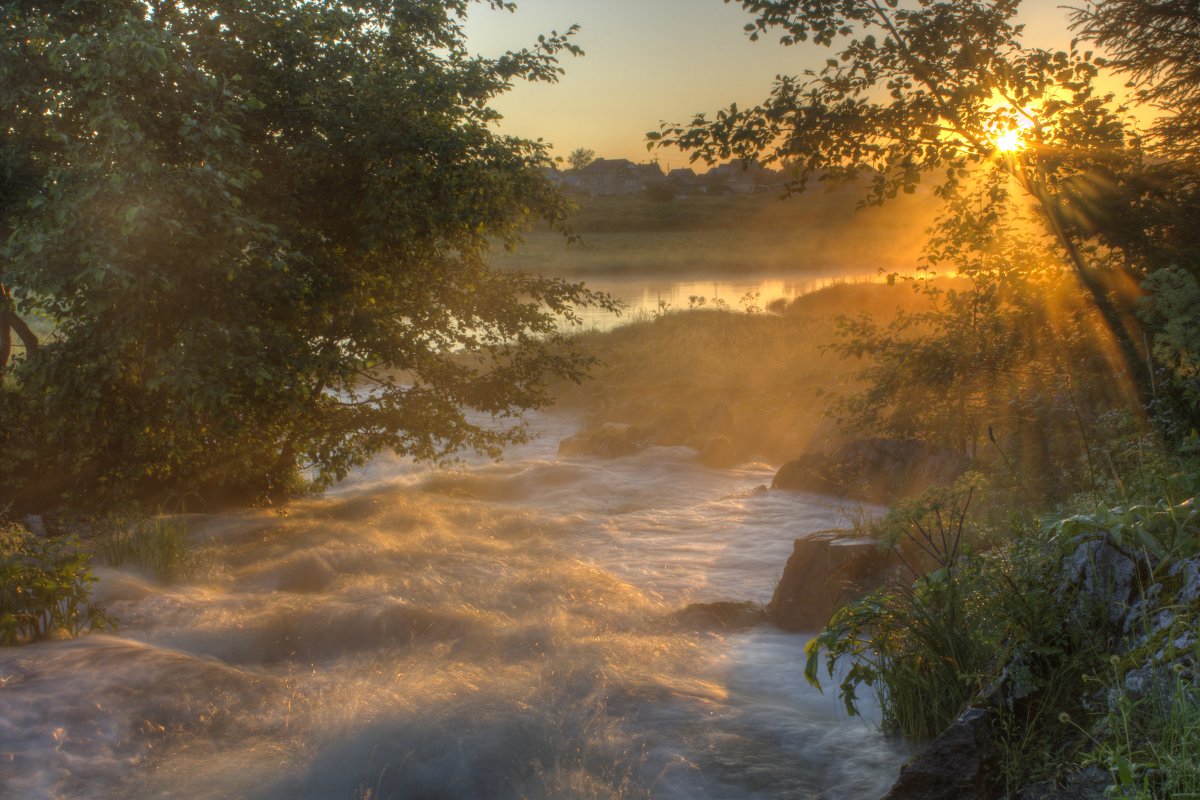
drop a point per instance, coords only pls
(649, 61)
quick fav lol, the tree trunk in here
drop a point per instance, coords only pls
(10, 323)
(1132, 357)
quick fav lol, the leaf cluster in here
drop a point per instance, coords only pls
(44, 587)
(258, 229)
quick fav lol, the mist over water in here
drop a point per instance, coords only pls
(500, 630)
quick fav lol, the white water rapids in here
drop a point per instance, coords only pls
(497, 631)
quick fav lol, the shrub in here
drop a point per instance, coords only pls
(44, 587)
(924, 648)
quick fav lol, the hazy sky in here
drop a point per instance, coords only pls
(653, 60)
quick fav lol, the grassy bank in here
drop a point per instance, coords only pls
(739, 233)
(764, 375)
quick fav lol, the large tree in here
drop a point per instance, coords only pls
(257, 229)
(1155, 42)
(946, 90)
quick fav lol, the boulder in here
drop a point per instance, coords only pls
(611, 440)
(826, 570)
(962, 763)
(1105, 579)
(876, 470)
(718, 452)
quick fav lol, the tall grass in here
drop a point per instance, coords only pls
(154, 544)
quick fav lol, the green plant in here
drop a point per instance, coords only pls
(44, 587)
(1164, 530)
(924, 649)
(1150, 741)
(155, 544)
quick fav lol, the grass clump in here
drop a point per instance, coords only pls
(156, 545)
(45, 583)
(1150, 744)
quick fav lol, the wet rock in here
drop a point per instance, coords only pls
(304, 574)
(876, 470)
(826, 570)
(962, 763)
(722, 615)
(611, 440)
(719, 452)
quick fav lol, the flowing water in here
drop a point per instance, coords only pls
(500, 630)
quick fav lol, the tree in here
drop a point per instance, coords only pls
(1155, 43)
(259, 229)
(947, 90)
(580, 157)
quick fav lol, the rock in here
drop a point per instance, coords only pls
(611, 440)
(826, 570)
(1188, 572)
(1104, 578)
(719, 452)
(305, 573)
(1087, 784)
(962, 763)
(723, 615)
(876, 470)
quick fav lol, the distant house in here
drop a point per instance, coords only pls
(741, 178)
(609, 176)
(684, 180)
(554, 175)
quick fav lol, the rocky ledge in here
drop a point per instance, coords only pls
(875, 470)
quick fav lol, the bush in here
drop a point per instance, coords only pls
(156, 545)
(924, 649)
(44, 587)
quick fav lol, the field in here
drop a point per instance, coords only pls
(819, 230)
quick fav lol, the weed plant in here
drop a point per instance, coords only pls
(156, 545)
(1150, 741)
(44, 587)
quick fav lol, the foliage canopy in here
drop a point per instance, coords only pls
(257, 231)
(948, 91)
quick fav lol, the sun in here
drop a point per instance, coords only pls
(1012, 140)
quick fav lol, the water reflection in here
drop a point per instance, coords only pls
(645, 295)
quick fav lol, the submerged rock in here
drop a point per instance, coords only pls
(722, 615)
(962, 763)
(826, 570)
(877, 470)
(611, 440)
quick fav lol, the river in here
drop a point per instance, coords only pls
(494, 630)
(649, 294)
